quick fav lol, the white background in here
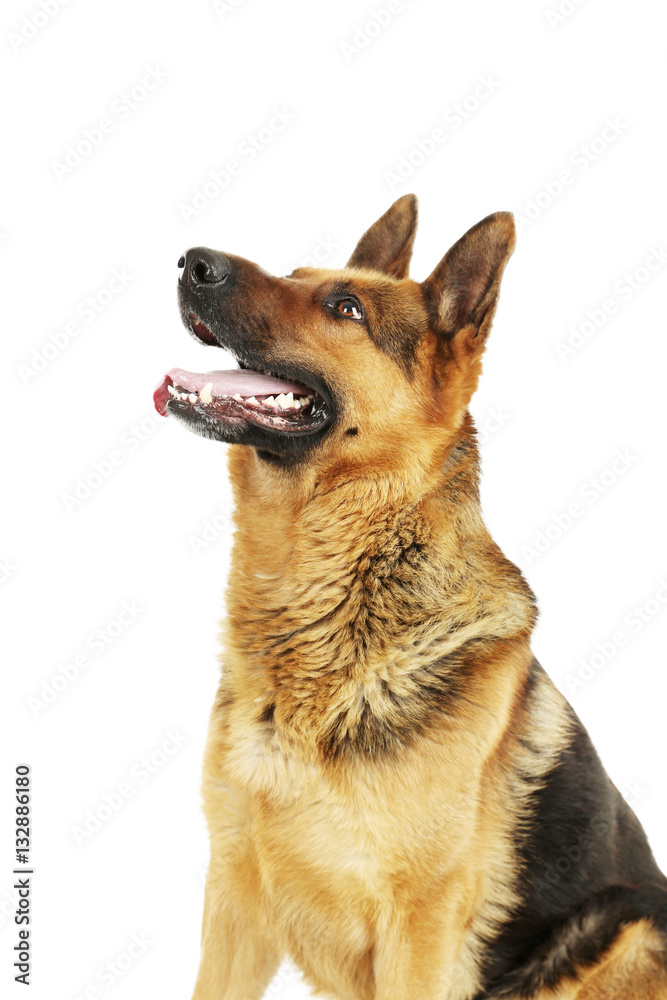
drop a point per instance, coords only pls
(552, 424)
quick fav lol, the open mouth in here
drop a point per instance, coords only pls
(243, 395)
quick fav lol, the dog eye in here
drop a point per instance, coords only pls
(349, 308)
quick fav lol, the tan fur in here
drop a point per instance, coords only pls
(429, 884)
(382, 879)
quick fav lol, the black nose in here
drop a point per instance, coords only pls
(202, 266)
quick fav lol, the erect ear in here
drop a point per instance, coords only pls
(463, 289)
(387, 245)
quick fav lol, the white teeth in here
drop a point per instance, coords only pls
(286, 401)
(283, 401)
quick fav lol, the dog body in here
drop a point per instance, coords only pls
(397, 796)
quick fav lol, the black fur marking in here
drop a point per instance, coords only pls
(370, 736)
(267, 713)
(352, 431)
(436, 687)
(587, 870)
(579, 940)
(396, 339)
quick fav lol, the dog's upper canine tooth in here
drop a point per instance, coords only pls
(205, 393)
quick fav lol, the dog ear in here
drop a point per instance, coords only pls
(387, 245)
(462, 291)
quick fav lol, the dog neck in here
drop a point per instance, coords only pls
(361, 581)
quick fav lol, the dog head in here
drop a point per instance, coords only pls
(342, 371)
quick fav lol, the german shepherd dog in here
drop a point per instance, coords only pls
(397, 795)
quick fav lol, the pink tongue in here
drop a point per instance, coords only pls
(238, 381)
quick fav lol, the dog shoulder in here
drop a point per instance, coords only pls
(586, 867)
